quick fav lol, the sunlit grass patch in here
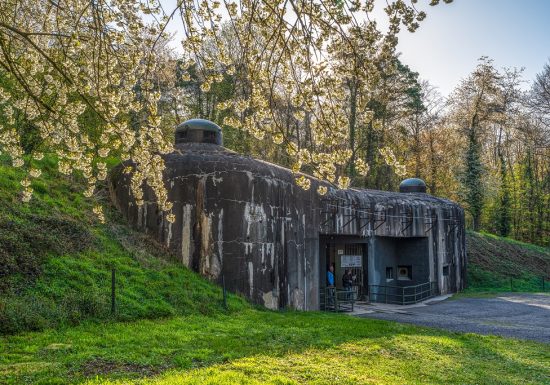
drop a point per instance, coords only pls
(252, 346)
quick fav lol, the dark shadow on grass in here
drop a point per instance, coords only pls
(199, 342)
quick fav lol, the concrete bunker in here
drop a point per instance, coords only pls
(247, 221)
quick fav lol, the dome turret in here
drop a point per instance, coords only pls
(412, 185)
(199, 131)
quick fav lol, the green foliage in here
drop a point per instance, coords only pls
(472, 179)
(504, 216)
(397, 97)
(204, 104)
(534, 201)
(29, 233)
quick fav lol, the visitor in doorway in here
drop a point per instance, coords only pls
(330, 288)
(347, 282)
(330, 275)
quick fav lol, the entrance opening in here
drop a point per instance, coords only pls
(401, 261)
(348, 259)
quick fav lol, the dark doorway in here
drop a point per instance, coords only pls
(344, 254)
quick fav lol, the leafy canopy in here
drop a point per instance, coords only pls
(84, 80)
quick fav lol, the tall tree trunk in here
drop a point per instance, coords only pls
(503, 219)
(473, 176)
(417, 146)
(433, 167)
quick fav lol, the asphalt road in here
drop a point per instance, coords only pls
(524, 316)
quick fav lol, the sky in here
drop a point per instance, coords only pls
(446, 47)
(448, 44)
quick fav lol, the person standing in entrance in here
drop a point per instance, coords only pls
(347, 282)
(330, 275)
(330, 287)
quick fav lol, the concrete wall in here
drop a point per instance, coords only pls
(248, 221)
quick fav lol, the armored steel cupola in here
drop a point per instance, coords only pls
(199, 131)
(412, 185)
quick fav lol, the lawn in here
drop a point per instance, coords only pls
(253, 346)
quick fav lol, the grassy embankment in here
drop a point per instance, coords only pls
(497, 264)
(56, 261)
(170, 326)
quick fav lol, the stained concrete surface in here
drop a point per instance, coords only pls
(247, 222)
(517, 315)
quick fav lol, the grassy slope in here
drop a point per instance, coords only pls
(188, 337)
(56, 260)
(495, 261)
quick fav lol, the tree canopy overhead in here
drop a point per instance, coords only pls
(84, 80)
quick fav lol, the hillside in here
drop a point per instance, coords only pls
(56, 261)
(502, 264)
(170, 325)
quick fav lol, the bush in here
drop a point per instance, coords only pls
(38, 312)
(27, 239)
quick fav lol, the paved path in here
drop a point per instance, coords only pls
(525, 316)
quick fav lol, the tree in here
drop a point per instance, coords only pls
(66, 58)
(474, 189)
(540, 93)
(472, 106)
(535, 165)
(507, 106)
(424, 127)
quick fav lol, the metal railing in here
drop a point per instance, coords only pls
(333, 299)
(402, 295)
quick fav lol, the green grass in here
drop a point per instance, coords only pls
(170, 327)
(56, 261)
(497, 264)
(254, 346)
(510, 241)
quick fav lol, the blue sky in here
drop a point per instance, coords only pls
(515, 33)
(445, 49)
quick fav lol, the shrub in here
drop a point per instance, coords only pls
(26, 241)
